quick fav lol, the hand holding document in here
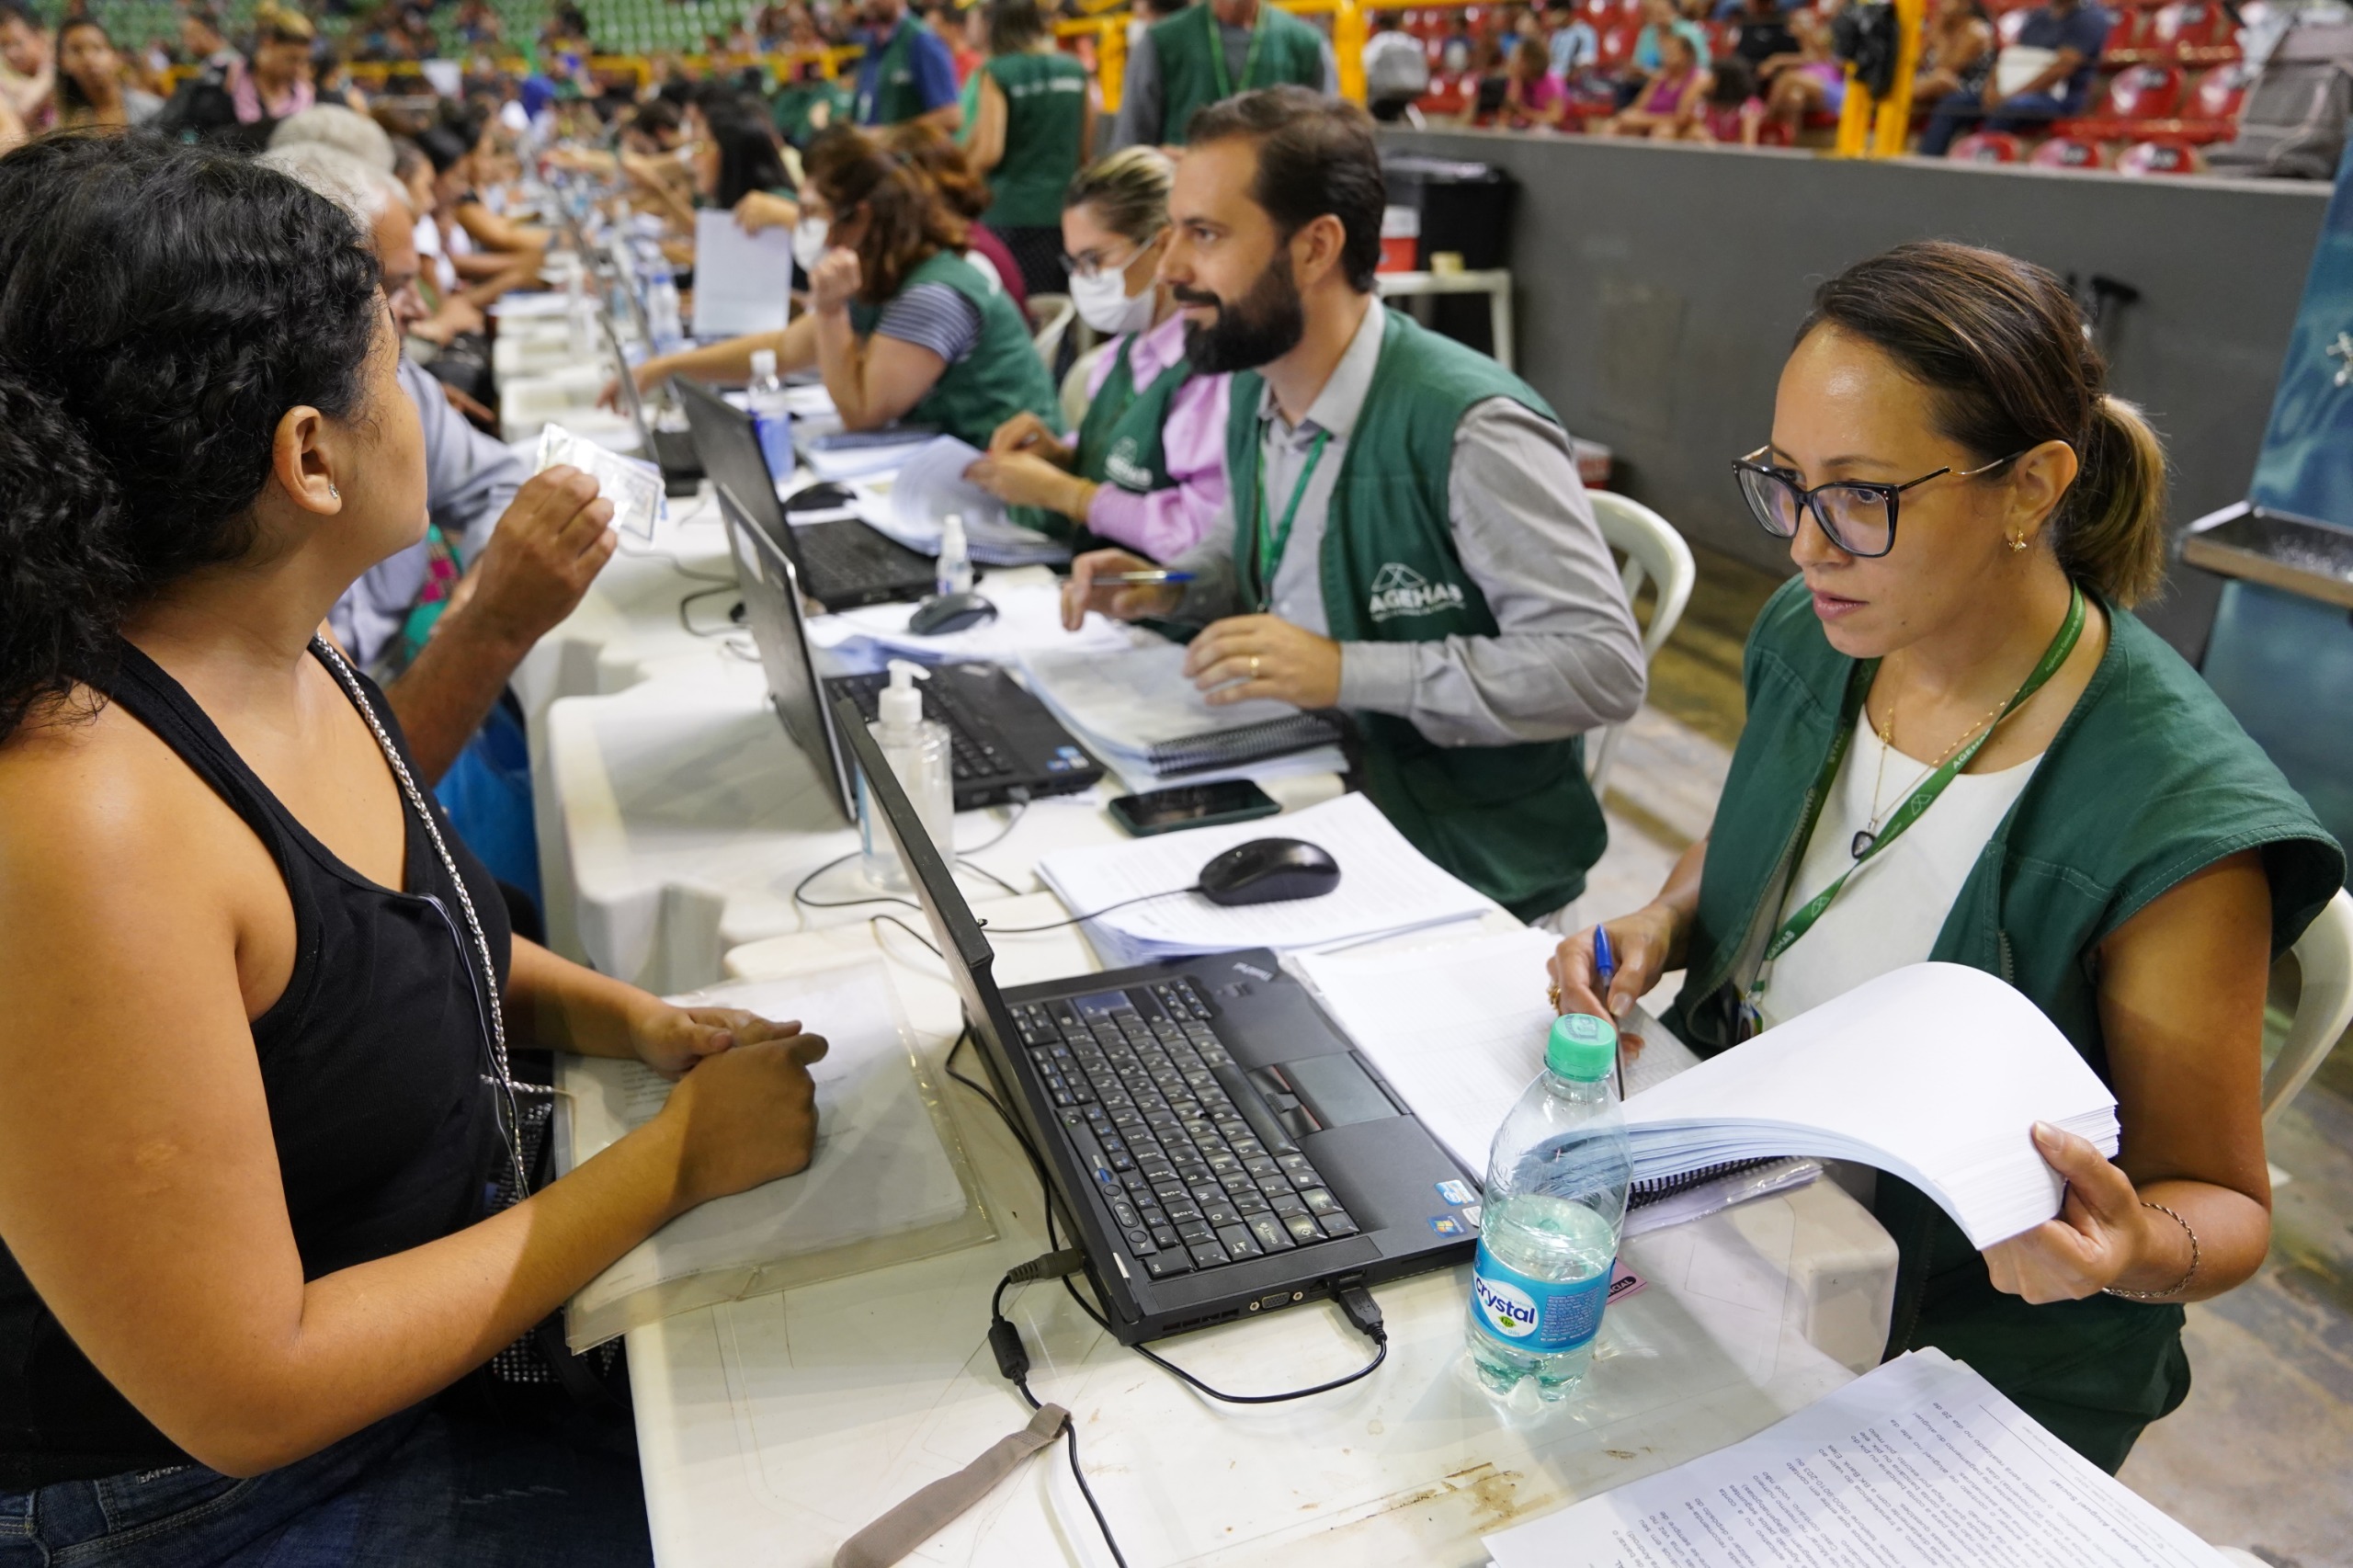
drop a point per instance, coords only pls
(930, 485)
(743, 282)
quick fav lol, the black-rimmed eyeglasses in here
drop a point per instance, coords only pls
(1857, 516)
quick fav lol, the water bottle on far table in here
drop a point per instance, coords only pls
(662, 306)
(951, 572)
(1557, 1178)
(772, 416)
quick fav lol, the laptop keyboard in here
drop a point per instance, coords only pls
(855, 556)
(970, 754)
(1198, 1176)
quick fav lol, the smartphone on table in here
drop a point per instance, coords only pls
(1192, 805)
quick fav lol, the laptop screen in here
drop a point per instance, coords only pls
(772, 605)
(970, 959)
(729, 450)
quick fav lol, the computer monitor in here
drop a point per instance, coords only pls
(970, 961)
(730, 450)
(772, 587)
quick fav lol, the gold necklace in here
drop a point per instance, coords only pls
(1860, 845)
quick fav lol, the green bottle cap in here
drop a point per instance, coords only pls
(1582, 1047)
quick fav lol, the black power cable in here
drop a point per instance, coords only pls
(1081, 919)
(1013, 1360)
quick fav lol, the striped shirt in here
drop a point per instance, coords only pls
(933, 316)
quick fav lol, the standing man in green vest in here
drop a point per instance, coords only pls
(1206, 53)
(905, 72)
(1404, 537)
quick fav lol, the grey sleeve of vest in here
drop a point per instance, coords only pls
(1140, 107)
(1213, 593)
(1331, 70)
(1565, 657)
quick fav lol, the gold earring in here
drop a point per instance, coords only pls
(2018, 543)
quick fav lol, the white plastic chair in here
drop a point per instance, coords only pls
(1654, 553)
(1075, 398)
(1050, 317)
(2324, 955)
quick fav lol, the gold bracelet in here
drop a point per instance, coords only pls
(2178, 1286)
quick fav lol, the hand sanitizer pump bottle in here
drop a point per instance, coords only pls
(917, 751)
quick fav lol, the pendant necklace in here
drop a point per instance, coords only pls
(1860, 845)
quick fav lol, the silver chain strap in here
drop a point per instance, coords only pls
(499, 1078)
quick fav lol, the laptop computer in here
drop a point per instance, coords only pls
(674, 451)
(843, 562)
(1222, 1150)
(1003, 743)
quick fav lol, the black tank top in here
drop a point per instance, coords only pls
(372, 1065)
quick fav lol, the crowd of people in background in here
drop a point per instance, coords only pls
(1731, 72)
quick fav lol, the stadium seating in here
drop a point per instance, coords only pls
(2161, 156)
(2069, 152)
(1987, 147)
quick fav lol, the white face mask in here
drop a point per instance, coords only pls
(1104, 304)
(809, 237)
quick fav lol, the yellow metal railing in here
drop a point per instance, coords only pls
(1876, 127)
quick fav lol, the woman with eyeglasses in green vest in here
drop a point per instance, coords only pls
(1963, 746)
(901, 326)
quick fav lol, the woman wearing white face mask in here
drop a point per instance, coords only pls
(899, 323)
(1147, 470)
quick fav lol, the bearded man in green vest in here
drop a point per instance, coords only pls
(1205, 53)
(1404, 538)
(905, 72)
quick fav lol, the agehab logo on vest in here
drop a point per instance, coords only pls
(1400, 590)
(1123, 469)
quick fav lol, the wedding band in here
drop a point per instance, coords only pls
(1553, 995)
(1254, 666)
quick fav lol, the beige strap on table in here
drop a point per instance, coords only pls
(929, 1511)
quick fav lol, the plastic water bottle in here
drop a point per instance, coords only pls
(772, 416)
(662, 307)
(580, 309)
(1556, 1195)
(952, 571)
(919, 752)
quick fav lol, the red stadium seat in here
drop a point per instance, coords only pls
(2187, 28)
(2163, 155)
(2144, 92)
(1987, 147)
(1601, 14)
(1449, 96)
(2128, 36)
(1722, 38)
(1618, 45)
(2218, 95)
(2069, 152)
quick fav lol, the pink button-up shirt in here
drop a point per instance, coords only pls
(1163, 524)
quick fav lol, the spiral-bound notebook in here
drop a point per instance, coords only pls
(1248, 744)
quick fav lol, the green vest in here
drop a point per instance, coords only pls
(892, 98)
(1518, 821)
(795, 109)
(1000, 377)
(1045, 99)
(2148, 780)
(1119, 442)
(1193, 70)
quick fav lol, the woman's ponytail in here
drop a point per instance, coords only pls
(2111, 533)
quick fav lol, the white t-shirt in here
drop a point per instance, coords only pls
(1890, 912)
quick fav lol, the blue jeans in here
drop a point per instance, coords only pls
(437, 1485)
(1957, 112)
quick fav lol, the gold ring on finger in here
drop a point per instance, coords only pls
(1254, 666)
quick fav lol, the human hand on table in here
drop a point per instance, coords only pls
(672, 1041)
(1246, 656)
(1120, 602)
(2103, 1235)
(1641, 944)
(1025, 479)
(746, 1114)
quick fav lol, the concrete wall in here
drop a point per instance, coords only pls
(1658, 286)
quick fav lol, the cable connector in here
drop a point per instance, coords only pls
(1362, 1310)
(1053, 1266)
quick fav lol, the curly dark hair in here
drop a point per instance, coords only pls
(161, 308)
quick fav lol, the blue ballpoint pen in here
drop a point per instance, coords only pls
(1605, 970)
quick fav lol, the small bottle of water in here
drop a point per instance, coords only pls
(662, 307)
(771, 415)
(1557, 1178)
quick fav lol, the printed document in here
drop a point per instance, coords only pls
(743, 282)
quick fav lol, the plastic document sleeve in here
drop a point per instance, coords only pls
(889, 1181)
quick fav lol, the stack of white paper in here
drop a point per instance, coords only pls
(1029, 620)
(1122, 704)
(1386, 885)
(1919, 1463)
(1934, 1073)
(930, 485)
(743, 282)
(837, 465)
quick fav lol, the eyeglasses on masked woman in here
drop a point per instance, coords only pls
(1858, 516)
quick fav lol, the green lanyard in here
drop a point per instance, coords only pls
(1270, 548)
(1217, 51)
(1919, 801)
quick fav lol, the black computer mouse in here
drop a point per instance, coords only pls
(944, 613)
(819, 499)
(1267, 871)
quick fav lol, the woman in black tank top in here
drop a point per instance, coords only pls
(259, 1145)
